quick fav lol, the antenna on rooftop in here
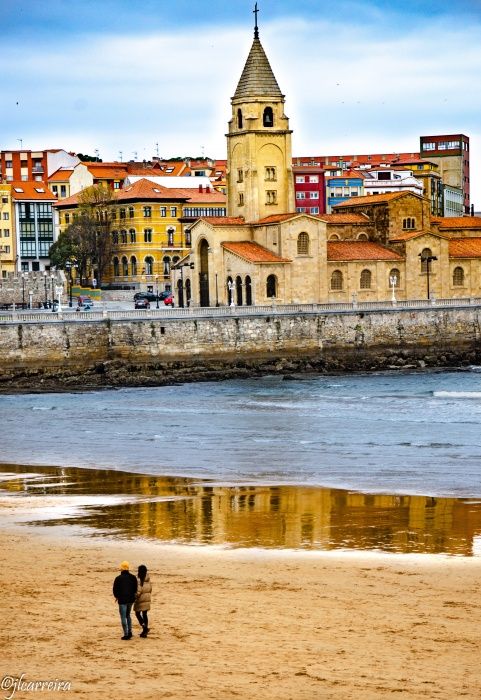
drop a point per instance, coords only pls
(157, 149)
(121, 155)
(21, 143)
(96, 151)
(135, 155)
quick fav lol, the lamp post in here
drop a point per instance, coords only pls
(157, 291)
(216, 291)
(392, 282)
(69, 265)
(231, 287)
(45, 287)
(427, 259)
(52, 281)
(23, 290)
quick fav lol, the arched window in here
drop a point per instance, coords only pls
(133, 235)
(115, 237)
(131, 212)
(230, 290)
(336, 280)
(125, 266)
(166, 263)
(116, 267)
(175, 259)
(248, 286)
(268, 117)
(365, 281)
(334, 237)
(133, 265)
(123, 236)
(363, 237)
(271, 287)
(303, 244)
(170, 236)
(425, 254)
(238, 288)
(188, 292)
(458, 277)
(409, 223)
(149, 265)
(239, 118)
(395, 275)
(180, 293)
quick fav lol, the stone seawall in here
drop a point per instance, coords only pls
(66, 354)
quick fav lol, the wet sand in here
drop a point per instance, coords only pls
(236, 623)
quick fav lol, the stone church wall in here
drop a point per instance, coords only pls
(66, 355)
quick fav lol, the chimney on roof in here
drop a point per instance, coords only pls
(200, 188)
(207, 188)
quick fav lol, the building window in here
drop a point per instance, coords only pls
(6, 216)
(115, 237)
(240, 176)
(303, 244)
(6, 232)
(336, 280)
(149, 265)
(188, 238)
(270, 173)
(426, 253)
(238, 288)
(314, 210)
(163, 211)
(170, 237)
(362, 237)
(458, 277)
(313, 195)
(300, 179)
(248, 288)
(147, 235)
(313, 178)
(239, 119)
(125, 267)
(133, 235)
(271, 197)
(396, 276)
(271, 287)
(268, 117)
(123, 236)
(131, 212)
(133, 265)
(173, 211)
(301, 210)
(300, 195)
(166, 264)
(116, 267)
(122, 213)
(365, 281)
(409, 223)
(241, 199)
(67, 218)
(147, 212)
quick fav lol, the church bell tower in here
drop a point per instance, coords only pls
(259, 158)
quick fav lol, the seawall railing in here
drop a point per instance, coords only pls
(196, 312)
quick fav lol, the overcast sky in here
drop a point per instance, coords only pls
(123, 76)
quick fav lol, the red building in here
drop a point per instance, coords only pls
(310, 190)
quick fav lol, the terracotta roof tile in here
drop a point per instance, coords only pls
(193, 195)
(30, 189)
(458, 222)
(359, 250)
(343, 218)
(371, 199)
(276, 218)
(253, 252)
(60, 175)
(224, 220)
(465, 247)
(146, 190)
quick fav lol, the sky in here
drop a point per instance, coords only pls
(136, 79)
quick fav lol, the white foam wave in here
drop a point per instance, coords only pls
(457, 394)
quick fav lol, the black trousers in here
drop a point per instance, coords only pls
(142, 617)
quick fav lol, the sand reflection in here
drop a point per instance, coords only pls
(188, 511)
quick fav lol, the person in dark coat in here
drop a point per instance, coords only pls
(142, 601)
(125, 591)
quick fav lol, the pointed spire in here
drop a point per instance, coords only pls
(257, 79)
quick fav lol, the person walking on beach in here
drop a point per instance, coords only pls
(142, 601)
(125, 590)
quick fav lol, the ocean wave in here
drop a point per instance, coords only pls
(457, 394)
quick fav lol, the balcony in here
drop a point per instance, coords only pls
(38, 169)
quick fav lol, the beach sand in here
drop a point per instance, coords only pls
(238, 623)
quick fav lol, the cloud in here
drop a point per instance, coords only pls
(349, 87)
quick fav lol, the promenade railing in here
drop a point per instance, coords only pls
(193, 312)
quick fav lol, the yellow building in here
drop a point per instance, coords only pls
(8, 251)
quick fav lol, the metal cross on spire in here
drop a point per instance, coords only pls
(256, 28)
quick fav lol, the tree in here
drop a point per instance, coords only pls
(88, 240)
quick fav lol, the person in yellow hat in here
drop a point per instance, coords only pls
(125, 590)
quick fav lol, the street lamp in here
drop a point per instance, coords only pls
(45, 286)
(157, 291)
(231, 287)
(393, 282)
(68, 266)
(52, 280)
(216, 291)
(427, 259)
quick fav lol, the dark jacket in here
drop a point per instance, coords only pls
(125, 587)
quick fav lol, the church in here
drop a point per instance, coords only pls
(372, 248)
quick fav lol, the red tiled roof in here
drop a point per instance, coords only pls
(277, 218)
(146, 189)
(458, 221)
(60, 175)
(343, 218)
(372, 199)
(359, 250)
(71, 201)
(224, 220)
(106, 171)
(253, 252)
(193, 195)
(465, 247)
(29, 189)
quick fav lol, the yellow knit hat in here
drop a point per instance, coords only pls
(125, 566)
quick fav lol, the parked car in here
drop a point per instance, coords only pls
(85, 302)
(150, 296)
(169, 301)
(142, 303)
(163, 295)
